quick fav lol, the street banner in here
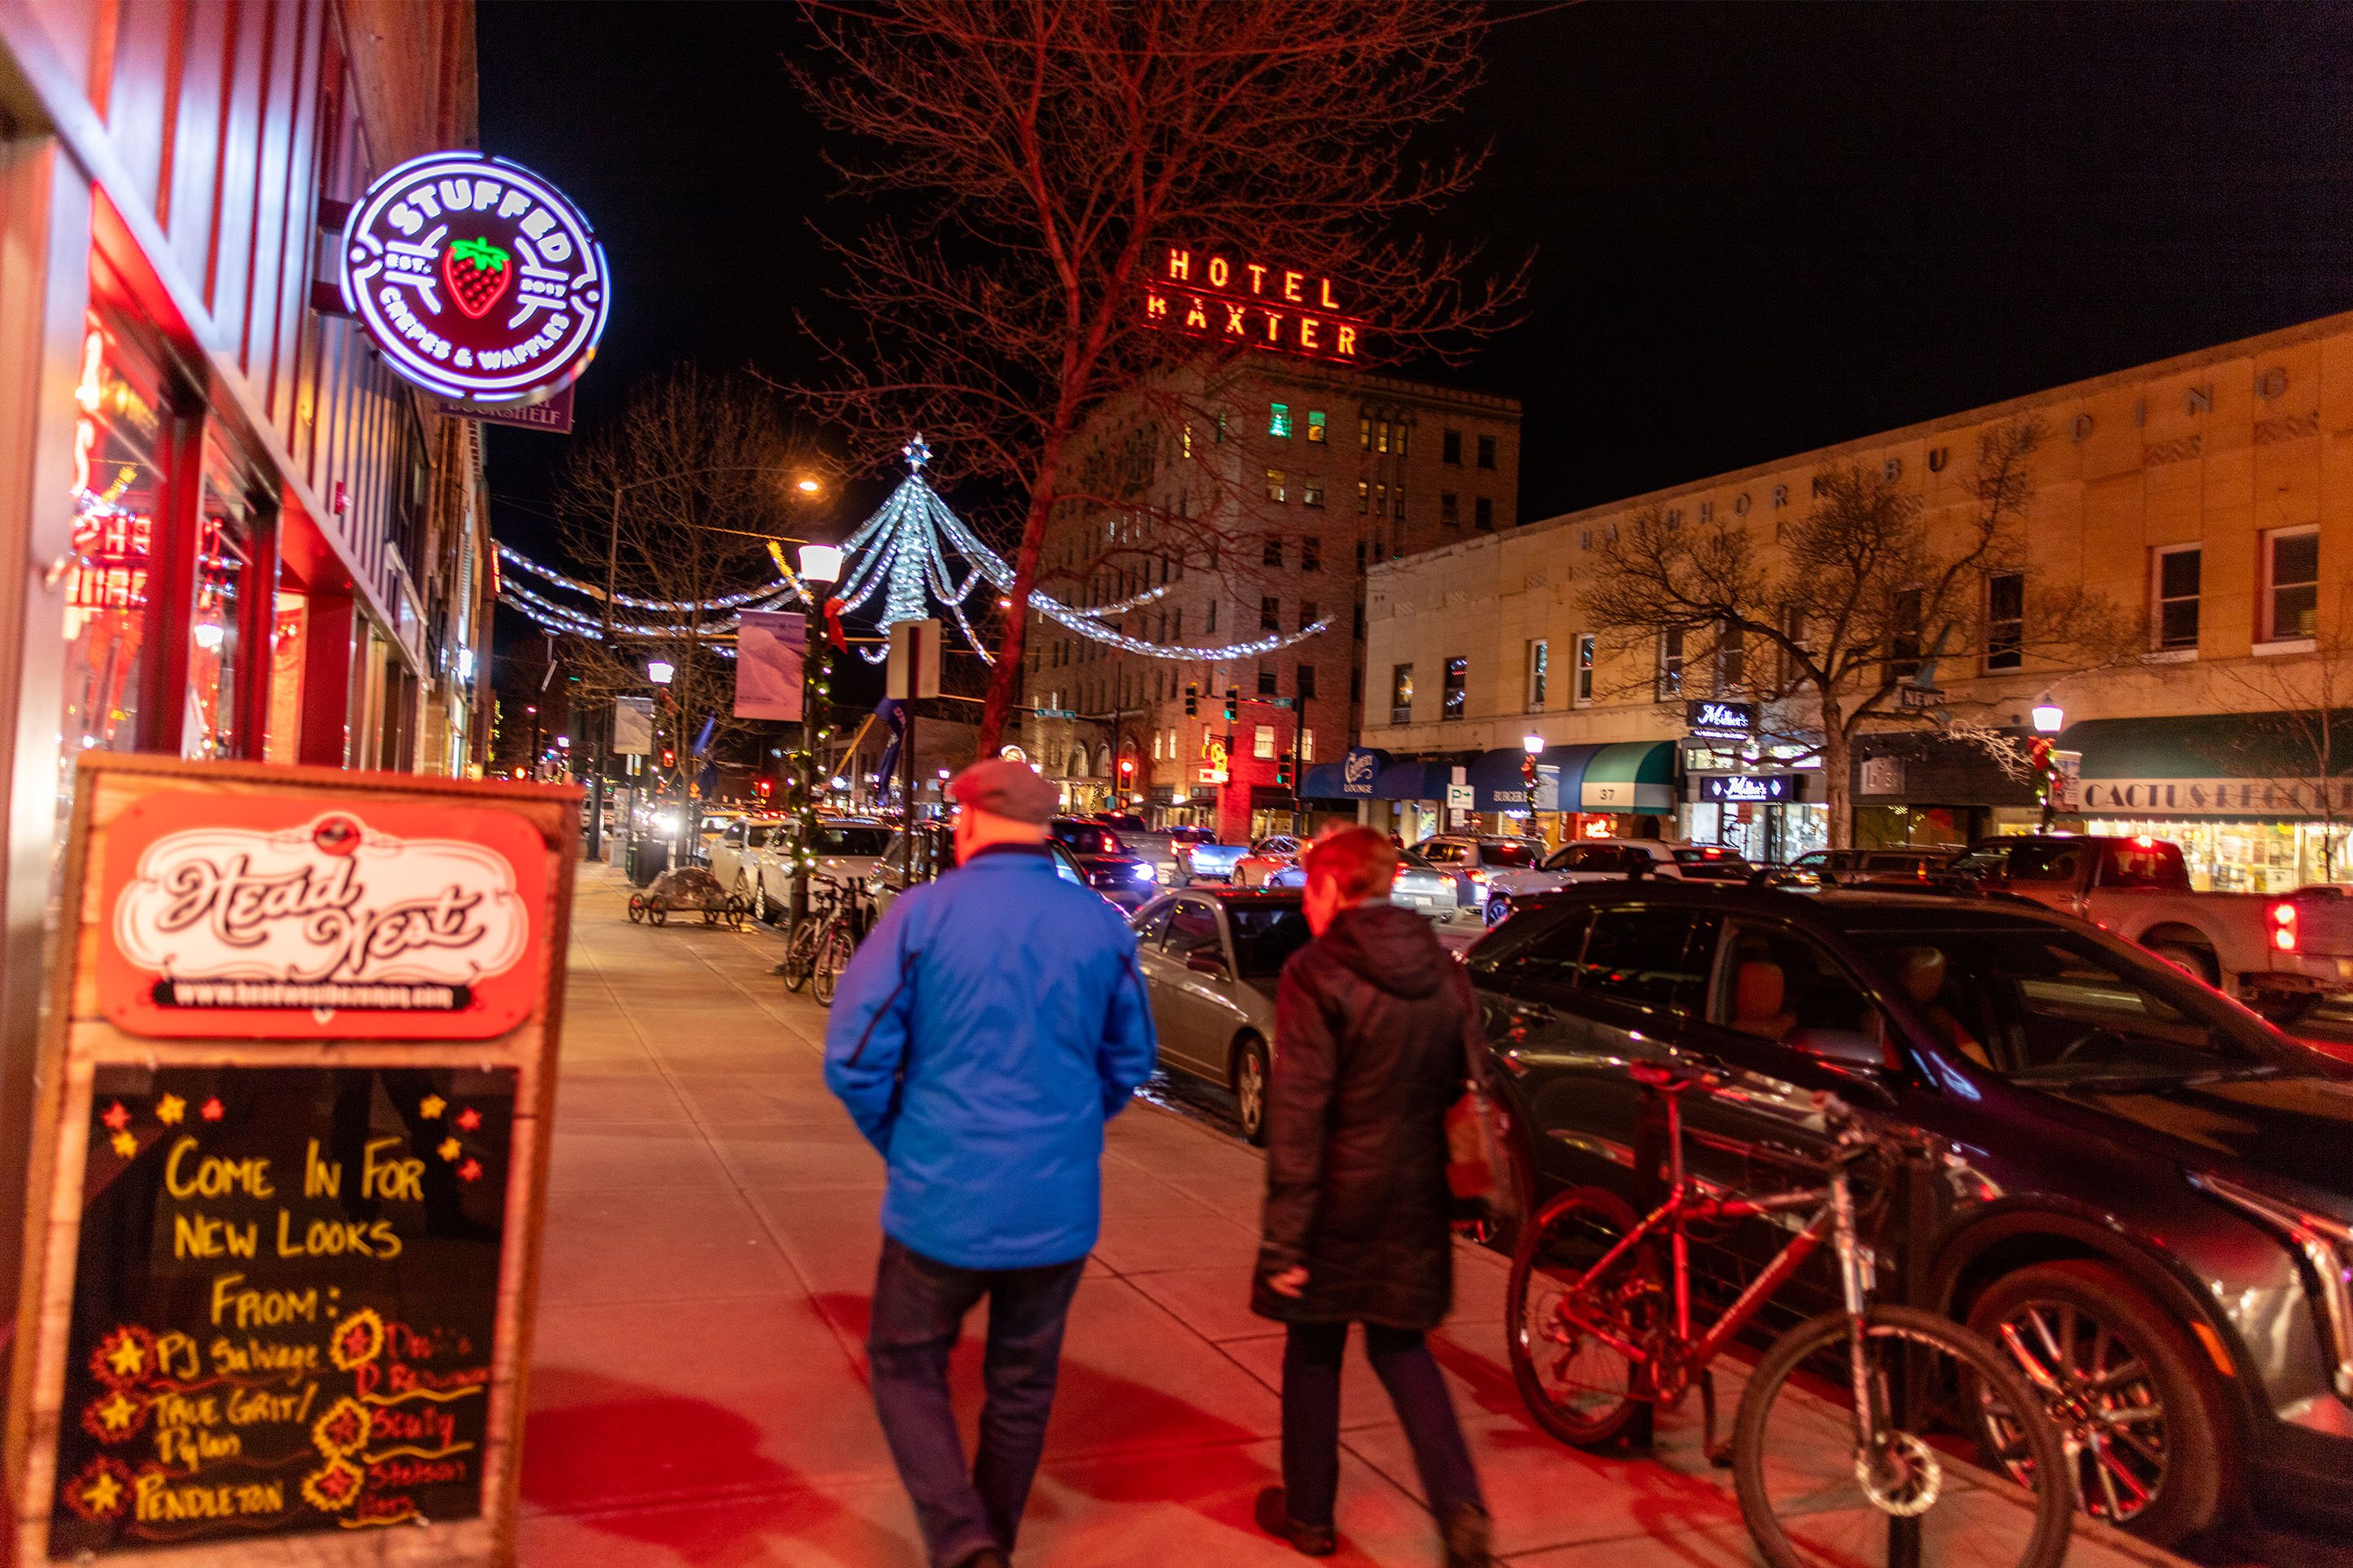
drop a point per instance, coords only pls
(633, 726)
(288, 1166)
(771, 649)
(914, 667)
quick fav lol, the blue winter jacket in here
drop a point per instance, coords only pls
(980, 1037)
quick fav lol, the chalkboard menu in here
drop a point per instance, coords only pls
(286, 1301)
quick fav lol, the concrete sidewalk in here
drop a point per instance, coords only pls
(698, 1392)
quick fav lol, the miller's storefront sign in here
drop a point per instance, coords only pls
(1249, 303)
(476, 278)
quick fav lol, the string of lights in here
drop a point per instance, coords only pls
(509, 554)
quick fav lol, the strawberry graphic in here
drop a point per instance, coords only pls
(478, 272)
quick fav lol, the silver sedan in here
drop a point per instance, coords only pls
(1210, 958)
(1418, 885)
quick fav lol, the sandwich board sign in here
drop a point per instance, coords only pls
(288, 1163)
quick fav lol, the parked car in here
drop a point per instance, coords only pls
(1841, 868)
(2148, 1200)
(1418, 885)
(1210, 958)
(1163, 850)
(1267, 856)
(1103, 859)
(1210, 861)
(935, 853)
(1609, 860)
(710, 827)
(2281, 953)
(846, 849)
(1472, 862)
(738, 841)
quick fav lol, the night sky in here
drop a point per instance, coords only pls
(1755, 228)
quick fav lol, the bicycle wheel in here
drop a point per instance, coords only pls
(833, 953)
(1581, 1388)
(1811, 1499)
(800, 953)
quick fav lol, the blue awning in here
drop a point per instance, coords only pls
(1413, 780)
(1500, 781)
(1360, 768)
(1321, 782)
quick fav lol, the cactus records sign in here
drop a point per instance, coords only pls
(476, 278)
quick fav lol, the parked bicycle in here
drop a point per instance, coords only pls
(1846, 1447)
(841, 911)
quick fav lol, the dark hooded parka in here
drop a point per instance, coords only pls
(1376, 1031)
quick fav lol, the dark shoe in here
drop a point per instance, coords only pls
(1310, 1539)
(1465, 1529)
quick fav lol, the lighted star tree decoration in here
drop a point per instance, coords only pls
(914, 552)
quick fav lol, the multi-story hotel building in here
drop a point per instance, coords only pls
(2209, 498)
(232, 532)
(1248, 503)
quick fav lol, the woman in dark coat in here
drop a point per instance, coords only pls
(1376, 1031)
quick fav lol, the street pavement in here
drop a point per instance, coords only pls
(698, 1390)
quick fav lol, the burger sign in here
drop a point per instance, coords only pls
(476, 278)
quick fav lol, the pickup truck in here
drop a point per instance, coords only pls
(2281, 953)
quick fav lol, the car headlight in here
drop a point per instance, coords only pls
(2325, 1245)
(1144, 871)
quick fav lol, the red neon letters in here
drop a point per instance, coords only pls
(1249, 303)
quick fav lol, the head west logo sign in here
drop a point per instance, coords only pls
(476, 278)
(1249, 303)
(267, 915)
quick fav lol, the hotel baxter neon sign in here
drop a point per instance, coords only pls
(1248, 303)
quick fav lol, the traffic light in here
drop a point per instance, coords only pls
(1192, 697)
(1127, 767)
(669, 757)
(1233, 702)
(1283, 773)
(764, 786)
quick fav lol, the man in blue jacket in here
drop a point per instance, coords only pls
(981, 1038)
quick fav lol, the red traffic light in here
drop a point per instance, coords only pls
(1127, 764)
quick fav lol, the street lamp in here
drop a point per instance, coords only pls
(1531, 746)
(659, 670)
(2049, 719)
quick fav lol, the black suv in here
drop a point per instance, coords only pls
(2152, 1188)
(1125, 878)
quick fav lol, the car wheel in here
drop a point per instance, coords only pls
(2128, 1389)
(1250, 1086)
(2197, 962)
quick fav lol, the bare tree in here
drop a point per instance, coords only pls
(1859, 598)
(675, 502)
(2305, 701)
(1041, 157)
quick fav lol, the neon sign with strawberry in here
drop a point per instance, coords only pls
(476, 278)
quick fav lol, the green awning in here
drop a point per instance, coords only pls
(1633, 775)
(2210, 746)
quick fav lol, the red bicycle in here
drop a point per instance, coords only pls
(1845, 1446)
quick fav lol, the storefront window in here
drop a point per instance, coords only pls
(288, 635)
(216, 652)
(2248, 857)
(121, 444)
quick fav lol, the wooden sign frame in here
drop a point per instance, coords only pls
(78, 1039)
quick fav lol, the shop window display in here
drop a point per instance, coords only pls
(121, 447)
(216, 654)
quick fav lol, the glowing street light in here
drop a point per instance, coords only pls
(659, 670)
(821, 563)
(2048, 717)
(807, 485)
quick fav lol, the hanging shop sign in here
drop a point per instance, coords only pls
(1768, 789)
(288, 1166)
(1357, 770)
(1250, 304)
(1712, 721)
(478, 279)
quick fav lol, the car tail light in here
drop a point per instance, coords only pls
(1478, 876)
(2283, 935)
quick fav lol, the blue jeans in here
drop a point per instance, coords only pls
(1311, 1418)
(919, 1310)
